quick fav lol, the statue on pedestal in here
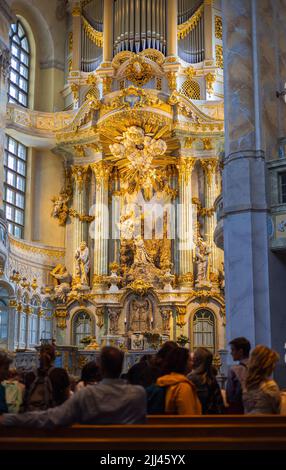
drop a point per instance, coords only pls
(82, 264)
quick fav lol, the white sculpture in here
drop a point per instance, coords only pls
(82, 263)
(202, 257)
(61, 274)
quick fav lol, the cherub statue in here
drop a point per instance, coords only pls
(60, 207)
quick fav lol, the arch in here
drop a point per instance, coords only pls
(7, 287)
(203, 324)
(191, 89)
(82, 325)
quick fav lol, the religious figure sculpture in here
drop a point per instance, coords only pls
(60, 207)
(113, 315)
(141, 256)
(140, 315)
(63, 277)
(202, 257)
(82, 263)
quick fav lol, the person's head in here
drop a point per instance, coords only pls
(261, 365)
(47, 355)
(90, 373)
(161, 355)
(240, 348)
(111, 362)
(5, 361)
(202, 360)
(61, 385)
(177, 360)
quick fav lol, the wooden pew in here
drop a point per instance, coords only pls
(159, 433)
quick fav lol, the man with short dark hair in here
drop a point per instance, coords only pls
(111, 401)
(240, 349)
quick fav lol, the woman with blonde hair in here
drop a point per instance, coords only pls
(261, 394)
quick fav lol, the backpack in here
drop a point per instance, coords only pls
(40, 396)
(13, 396)
(156, 396)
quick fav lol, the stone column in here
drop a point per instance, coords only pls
(76, 35)
(80, 228)
(244, 189)
(100, 268)
(210, 168)
(208, 29)
(108, 31)
(172, 21)
(185, 222)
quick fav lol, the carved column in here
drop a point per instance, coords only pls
(101, 233)
(107, 30)
(80, 175)
(185, 222)
(172, 19)
(210, 168)
(76, 34)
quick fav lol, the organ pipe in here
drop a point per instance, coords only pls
(191, 48)
(91, 53)
(139, 24)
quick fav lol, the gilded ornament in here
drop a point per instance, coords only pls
(189, 142)
(79, 151)
(140, 287)
(80, 174)
(13, 303)
(99, 316)
(209, 166)
(138, 71)
(190, 72)
(185, 166)
(76, 11)
(61, 316)
(207, 143)
(107, 84)
(95, 36)
(210, 81)
(181, 316)
(34, 284)
(218, 27)
(81, 217)
(219, 56)
(185, 28)
(75, 91)
(172, 81)
(70, 41)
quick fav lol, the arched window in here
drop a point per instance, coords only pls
(46, 321)
(15, 168)
(18, 91)
(204, 330)
(3, 322)
(82, 327)
(34, 323)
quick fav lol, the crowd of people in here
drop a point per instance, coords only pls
(173, 381)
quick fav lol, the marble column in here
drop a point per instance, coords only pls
(209, 166)
(108, 31)
(185, 222)
(80, 175)
(172, 21)
(100, 267)
(76, 34)
(244, 189)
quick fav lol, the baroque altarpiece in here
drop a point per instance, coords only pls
(140, 143)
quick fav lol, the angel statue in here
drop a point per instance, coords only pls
(63, 287)
(82, 263)
(60, 207)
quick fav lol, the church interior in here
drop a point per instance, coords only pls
(143, 176)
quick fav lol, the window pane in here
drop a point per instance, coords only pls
(22, 151)
(10, 178)
(20, 183)
(9, 212)
(13, 91)
(24, 71)
(23, 84)
(20, 201)
(21, 31)
(21, 167)
(15, 63)
(24, 44)
(22, 99)
(24, 58)
(19, 217)
(18, 232)
(11, 162)
(15, 51)
(14, 77)
(10, 196)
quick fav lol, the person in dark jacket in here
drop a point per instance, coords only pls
(203, 376)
